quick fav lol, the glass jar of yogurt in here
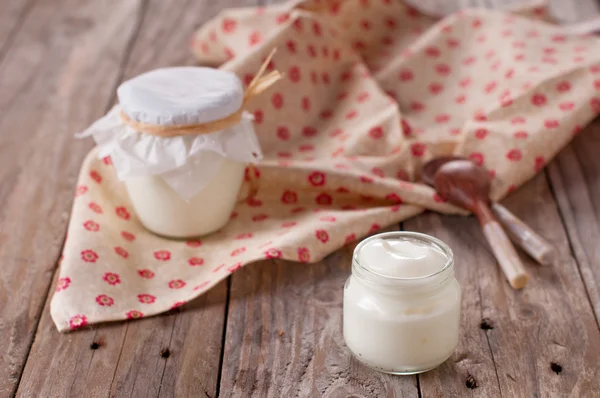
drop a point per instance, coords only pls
(402, 303)
(180, 140)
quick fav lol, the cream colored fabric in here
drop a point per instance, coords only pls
(372, 91)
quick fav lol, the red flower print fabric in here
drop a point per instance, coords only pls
(373, 90)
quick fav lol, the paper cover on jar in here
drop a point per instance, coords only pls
(176, 96)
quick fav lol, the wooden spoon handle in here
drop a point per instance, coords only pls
(503, 250)
(529, 240)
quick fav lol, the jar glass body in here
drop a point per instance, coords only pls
(162, 211)
(402, 326)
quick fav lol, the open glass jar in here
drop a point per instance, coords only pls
(180, 140)
(402, 325)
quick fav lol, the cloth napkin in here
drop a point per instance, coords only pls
(373, 89)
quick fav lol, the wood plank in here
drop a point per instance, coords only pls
(575, 180)
(549, 322)
(12, 17)
(40, 159)
(284, 335)
(130, 359)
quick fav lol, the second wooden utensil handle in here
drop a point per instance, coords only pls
(506, 255)
(520, 233)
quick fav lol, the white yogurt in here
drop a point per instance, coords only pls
(402, 303)
(164, 212)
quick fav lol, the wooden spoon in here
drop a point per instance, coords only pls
(467, 185)
(519, 232)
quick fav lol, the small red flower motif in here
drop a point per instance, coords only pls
(309, 131)
(418, 149)
(480, 117)
(289, 197)
(466, 82)
(363, 96)
(260, 217)
(112, 278)
(350, 238)
(324, 199)
(177, 304)
(273, 253)
(376, 132)
(121, 252)
(253, 202)
(277, 100)
(316, 178)
(228, 25)
(294, 74)
(563, 86)
(238, 251)
(145, 273)
(303, 254)
(128, 236)
(95, 207)
(322, 235)
(254, 38)
(63, 283)
(443, 69)
(442, 118)
(406, 128)
(436, 88)
(162, 255)
(122, 213)
(291, 46)
(405, 75)
(282, 18)
(469, 60)
(517, 120)
(91, 226)
(520, 134)
(81, 190)
(176, 284)
(481, 133)
(378, 172)
(352, 114)
(540, 162)
(393, 197)
(433, 52)
(328, 218)
(258, 116)
(417, 106)
(453, 43)
(325, 77)
(134, 314)
(491, 86)
(107, 160)
(366, 179)
(306, 103)
(78, 321)
(89, 256)
(194, 243)
(476, 158)
(538, 99)
(374, 228)
(514, 155)
(96, 176)
(438, 199)
(595, 104)
(551, 123)
(104, 300)
(146, 298)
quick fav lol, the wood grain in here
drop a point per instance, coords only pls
(125, 39)
(284, 336)
(575, 180)
(549, 322)
(43, 88)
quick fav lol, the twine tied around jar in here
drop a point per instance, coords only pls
(259, 83)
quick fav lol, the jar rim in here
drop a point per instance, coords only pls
(421, 237)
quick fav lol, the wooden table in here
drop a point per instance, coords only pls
(273, 329)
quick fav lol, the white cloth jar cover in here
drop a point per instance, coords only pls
(176, 96)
